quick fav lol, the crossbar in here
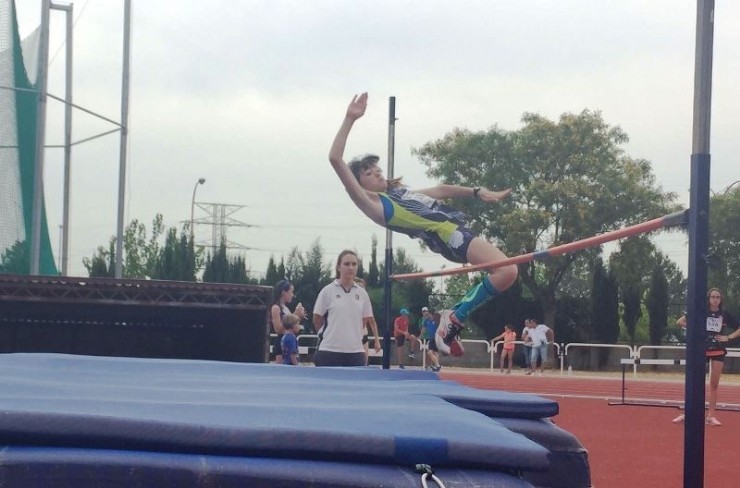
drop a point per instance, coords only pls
(670, 220)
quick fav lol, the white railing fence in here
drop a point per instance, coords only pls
(307, 344)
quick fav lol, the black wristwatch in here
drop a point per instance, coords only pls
(475, 191)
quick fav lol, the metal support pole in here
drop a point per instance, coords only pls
(192, 208)
(68, 10)
(693, 475)
(387, 281)
(38, 173)
(124, 134)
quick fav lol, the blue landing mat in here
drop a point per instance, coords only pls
(196, 409)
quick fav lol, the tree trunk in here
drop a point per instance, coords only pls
(549, 311)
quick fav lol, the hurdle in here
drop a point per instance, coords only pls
(634, 361)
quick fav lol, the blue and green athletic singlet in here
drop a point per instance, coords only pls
(416, 215)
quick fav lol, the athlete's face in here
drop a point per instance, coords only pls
(347, 267)
(715, 300)
(372, 179)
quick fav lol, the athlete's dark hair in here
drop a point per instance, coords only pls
(279, 288)
(362, 163)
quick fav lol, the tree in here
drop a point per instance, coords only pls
(657, 305)
(677, 284)
(577, 281)
(573, 318)
(604, 305)
(176, 260)
(632, 308)
(220, 268)
(633, 264)
(15, 259)
(141, 254)
(102, 263)
(281, 269)
(145, 257)
(570, 180)
(216, 267)
(604, 309)
(271, 275)
(456, 286)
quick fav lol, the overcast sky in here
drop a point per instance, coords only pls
(249, 95)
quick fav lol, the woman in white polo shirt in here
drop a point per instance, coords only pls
(341, 309)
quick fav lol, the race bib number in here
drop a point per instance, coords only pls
(714, 324)
(425, 200)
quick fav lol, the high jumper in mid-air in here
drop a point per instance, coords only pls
(422, 214)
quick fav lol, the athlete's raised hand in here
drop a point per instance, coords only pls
(357, 106)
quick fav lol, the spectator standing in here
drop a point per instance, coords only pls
(541, 336)
(716, 323)
(509, 336)
(289, 342)
(282, 296)
(401, 335)
(342, 309)
(428, 331)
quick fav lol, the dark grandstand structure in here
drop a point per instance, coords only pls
(133, 318)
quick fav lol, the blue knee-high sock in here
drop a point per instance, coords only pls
(473, 298)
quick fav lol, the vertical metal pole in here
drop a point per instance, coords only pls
(38, 173)
(68, 9)
(192, 209)
(387, 297)
(124, 134)
(693, 475)
(214, 229)
(59, 247)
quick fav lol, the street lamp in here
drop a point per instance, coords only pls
(726, 189)
(729, 187)
(192, 206)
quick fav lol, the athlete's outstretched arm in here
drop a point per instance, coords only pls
(355, 110)
(369, 204)
(442, 192)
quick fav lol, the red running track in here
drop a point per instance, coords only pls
(628, 446)
(555, 384)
